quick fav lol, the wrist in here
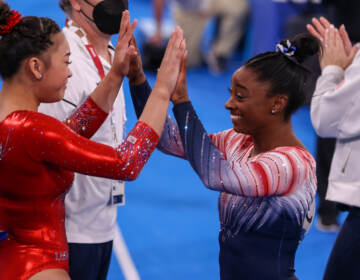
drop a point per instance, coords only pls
(161, 92)
(180, 100)
(138, 79)
(115, 77)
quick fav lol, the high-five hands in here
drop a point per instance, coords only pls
(169, 70)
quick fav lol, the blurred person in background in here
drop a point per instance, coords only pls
(193, 15)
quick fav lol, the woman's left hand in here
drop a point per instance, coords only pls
(180, 94)
(334, 52)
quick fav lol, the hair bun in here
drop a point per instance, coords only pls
(8, 19)
(306, 45)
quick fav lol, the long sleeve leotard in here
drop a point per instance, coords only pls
(38, 155)
(266, 202)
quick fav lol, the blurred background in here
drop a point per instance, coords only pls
(168, 228)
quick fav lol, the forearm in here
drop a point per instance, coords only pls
(170, 141)
(334, 106)
(106, 92)
(139, 95)
(155, 111)
(202, 154)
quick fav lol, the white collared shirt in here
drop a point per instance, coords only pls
(90, 214)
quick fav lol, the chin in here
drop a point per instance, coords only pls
(241, 130)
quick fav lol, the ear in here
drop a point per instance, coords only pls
(36, 67)
(280, 103)
(75, 5)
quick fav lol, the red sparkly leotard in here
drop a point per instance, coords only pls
(38, 156)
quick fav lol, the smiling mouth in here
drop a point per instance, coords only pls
(235, 117)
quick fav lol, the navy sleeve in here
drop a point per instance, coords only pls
(139, 96)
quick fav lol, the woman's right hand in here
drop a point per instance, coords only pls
(169, 70)
(124, 51)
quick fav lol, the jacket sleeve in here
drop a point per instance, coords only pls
(278, 172)
(52, 142)
(170, 140)
(335, 106)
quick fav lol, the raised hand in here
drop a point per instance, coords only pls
(136, 73)
(124, 50)
(334, 52)
(180, 94)
(318, 30)
(170, 66)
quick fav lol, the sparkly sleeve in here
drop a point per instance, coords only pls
(170, 141)
(50, 141)
(87, 119)
(279, 172)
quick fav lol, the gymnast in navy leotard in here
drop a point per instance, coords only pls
(265, 176)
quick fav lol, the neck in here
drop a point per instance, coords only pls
(17, 95)
(266, 139)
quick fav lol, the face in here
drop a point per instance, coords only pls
(56, 74)
(249, 105)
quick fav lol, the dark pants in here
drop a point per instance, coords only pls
(344, 259)
(324, 153)
(89, 261)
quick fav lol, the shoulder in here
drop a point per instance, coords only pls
(295, 156)
(36, 119)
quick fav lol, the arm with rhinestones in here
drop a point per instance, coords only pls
(87, 119)
(50, 141)
(170, 141)
(275, 173)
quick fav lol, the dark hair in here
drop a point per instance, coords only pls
(283, 70)
(30, 37)
(66, 6)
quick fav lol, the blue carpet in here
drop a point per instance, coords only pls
(170, 221)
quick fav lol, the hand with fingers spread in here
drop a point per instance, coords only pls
(124, 50)
(170, 66)
(180, 94)
(136, 73)
(334, 52)
(319, 26)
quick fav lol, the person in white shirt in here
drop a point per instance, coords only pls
(335, 112)
(91, 204)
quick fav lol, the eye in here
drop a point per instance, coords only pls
(68, 62)
(238, 95)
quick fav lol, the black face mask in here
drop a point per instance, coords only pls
(107, 15)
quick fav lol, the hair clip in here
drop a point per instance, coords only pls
(11, 21)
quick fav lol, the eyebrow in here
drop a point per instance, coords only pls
(68, 54)
(241, 86)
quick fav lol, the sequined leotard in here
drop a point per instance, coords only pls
(266, 202)
(38, 156)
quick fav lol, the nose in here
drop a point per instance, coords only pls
(228, 104)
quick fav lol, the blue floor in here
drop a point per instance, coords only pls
(170, 221)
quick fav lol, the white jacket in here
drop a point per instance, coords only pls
(335, 112)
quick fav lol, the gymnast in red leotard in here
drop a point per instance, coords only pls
(38, 154)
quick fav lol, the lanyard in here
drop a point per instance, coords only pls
(90, 49)
(96, 60)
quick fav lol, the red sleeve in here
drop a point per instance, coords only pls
(50, 141)
(87, 119)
